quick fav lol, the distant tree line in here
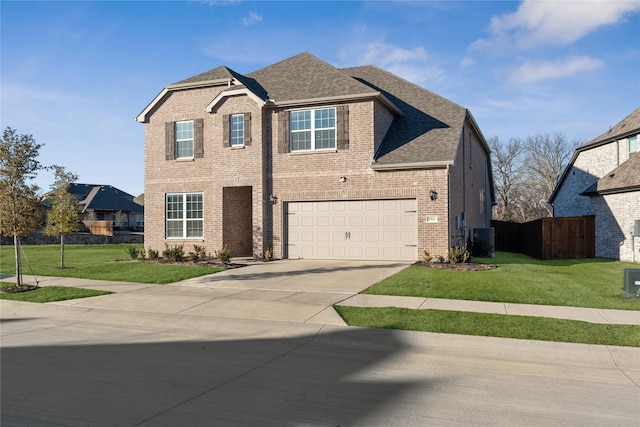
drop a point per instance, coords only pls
(525, 173)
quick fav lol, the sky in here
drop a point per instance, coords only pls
(76, 74)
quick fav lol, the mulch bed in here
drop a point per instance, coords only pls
(15, 288)
(459, 267)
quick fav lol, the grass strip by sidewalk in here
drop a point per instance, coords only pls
(491, 325)
(98, 262)
(594, 283)
(50, 293)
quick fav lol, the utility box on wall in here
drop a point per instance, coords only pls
(631, 283)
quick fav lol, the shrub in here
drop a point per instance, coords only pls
(224, 255)
(479, 248)
(201, 251)
(268, 254)
(175, 253)
(135, 252)
(458, 255)
(426, 256)
(153, 254)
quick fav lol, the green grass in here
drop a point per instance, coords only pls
(519, 279)
(98, 262)
(493, 325)
(49, 293)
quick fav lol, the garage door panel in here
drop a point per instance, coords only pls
(369, 229)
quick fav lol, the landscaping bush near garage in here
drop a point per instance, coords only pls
(99, 262)
(520, 279)
(491, 325)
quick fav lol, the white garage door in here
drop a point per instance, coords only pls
(361, 229)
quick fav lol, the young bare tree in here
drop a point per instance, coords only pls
(19, 201)
(63, 217)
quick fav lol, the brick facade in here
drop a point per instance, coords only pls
(241, 180)
(614, 225)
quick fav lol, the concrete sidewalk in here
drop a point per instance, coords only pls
(298, 291)
(592, 315)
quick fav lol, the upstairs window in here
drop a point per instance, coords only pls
(313, 129)
(633, 145)
(237, 130)
(184, 139)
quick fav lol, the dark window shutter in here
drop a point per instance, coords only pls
(247, 129)
(198, 138)
(342, 127)
(226, 126)
(283, 132)
(169, 141)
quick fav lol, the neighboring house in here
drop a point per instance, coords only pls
(603, 179)
(313, 162)
(107, 203)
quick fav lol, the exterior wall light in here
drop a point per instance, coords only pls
(433, 194)
(273, 199)
(343, 179)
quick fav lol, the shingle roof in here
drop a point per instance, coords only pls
(627, 126)
(429, 129)
(104, 198)
(624, 178)
(305, 77)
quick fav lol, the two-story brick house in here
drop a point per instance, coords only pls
(313, 162)
(603, 179)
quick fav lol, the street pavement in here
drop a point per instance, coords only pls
(261, 345)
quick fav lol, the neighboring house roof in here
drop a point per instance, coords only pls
(427, 128)
(628, 126)
(104, 198)
(624, 178)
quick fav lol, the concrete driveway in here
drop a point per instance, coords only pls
(290, 291)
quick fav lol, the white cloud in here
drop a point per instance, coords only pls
(544, 23)
(414, 65)
(466, 62)
(532, 72)
(252, 18)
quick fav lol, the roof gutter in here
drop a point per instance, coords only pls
(416, 165)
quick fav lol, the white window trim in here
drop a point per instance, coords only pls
(313, 130)
(241, 137)
(192, 139)
(184, 218)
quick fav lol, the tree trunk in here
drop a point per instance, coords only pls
(62, 251)
(16, 245)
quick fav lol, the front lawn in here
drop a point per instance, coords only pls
(99, 262)
(491, 325)
(520, 279)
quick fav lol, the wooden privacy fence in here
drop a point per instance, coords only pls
(548, 238)
(99, 228)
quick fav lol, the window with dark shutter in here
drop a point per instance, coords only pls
(283, 132)
(170, 141)
(247, 129)
(226, 125)
(342, 127)
(198, 137)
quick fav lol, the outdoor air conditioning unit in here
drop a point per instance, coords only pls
(488, 235)
(631, 283)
